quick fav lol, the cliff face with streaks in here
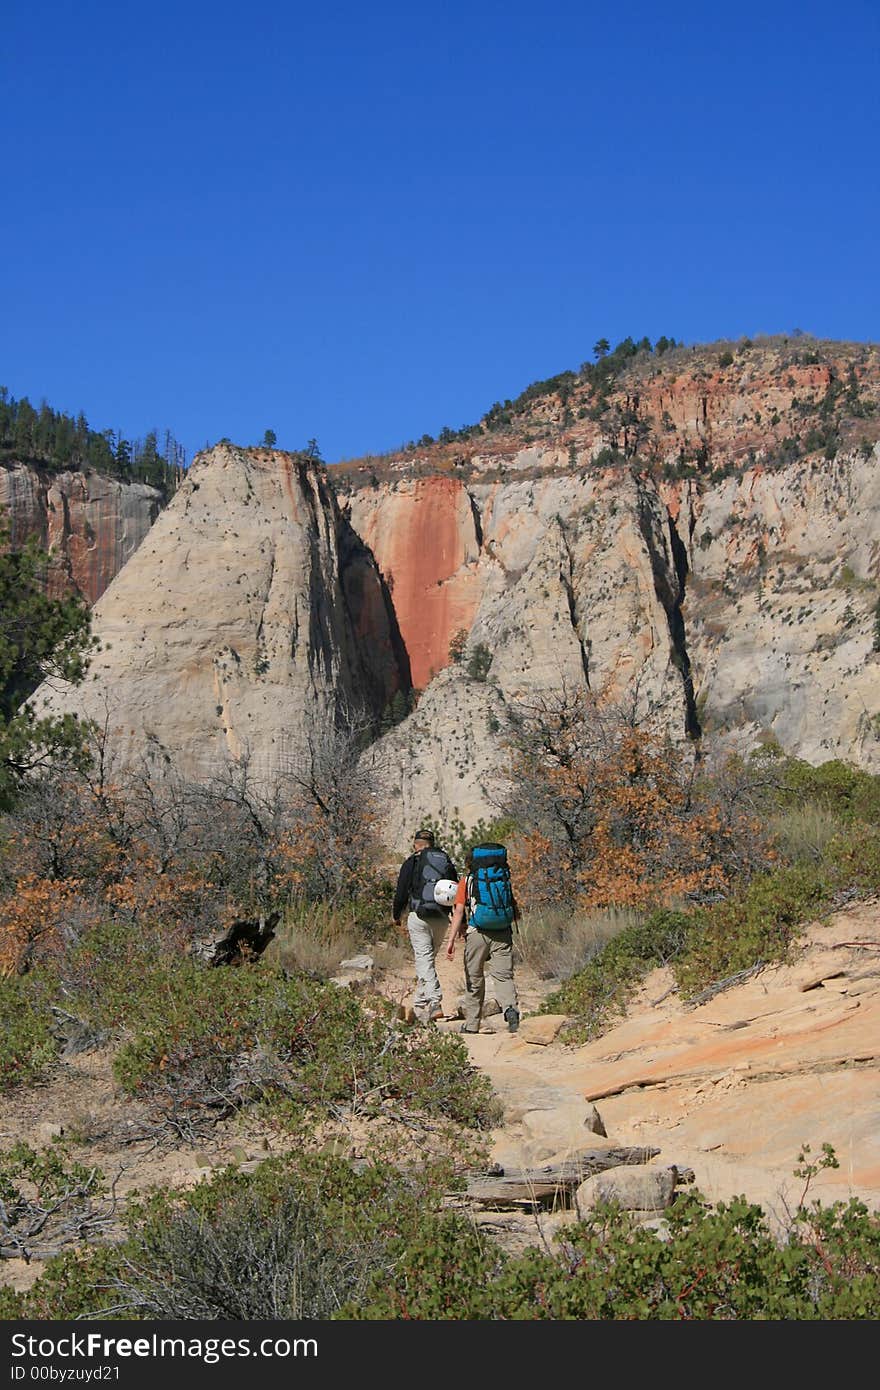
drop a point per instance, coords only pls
(249, 616)
(90, 524)
(702, 539)
(697, 533)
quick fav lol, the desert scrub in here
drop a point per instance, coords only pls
(721, 1264)
(298, 1238)
(216, 1039)
(27, 1042)
(320, 1238)
(600, 992)
(849, 792)
(759, 925)
(854, 858)
(48, 1201)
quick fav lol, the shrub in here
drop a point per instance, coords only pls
(295, 1239)
(315, 1238)
(458, 645)
(721, 1264)
(47, 1200)
(479, 662)
(211, 1040)
(756, 926)
(848, 792)
(27, 1041)
(617, 812)
(457, 838)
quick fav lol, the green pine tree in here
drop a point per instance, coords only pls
(39, 637)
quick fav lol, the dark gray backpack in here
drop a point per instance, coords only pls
(431, 865)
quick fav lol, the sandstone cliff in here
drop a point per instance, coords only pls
(242, 624)
(90, 524)
(695, 532)
(726, 576)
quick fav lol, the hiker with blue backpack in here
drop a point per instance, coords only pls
(426, 884)
(484, 913)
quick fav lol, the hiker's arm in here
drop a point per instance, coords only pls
(401, 892)
(456, 929)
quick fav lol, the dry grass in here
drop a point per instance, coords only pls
(313, 938)
(804, 832)
(556, 944)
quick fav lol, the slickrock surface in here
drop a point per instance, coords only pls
(732, 1088)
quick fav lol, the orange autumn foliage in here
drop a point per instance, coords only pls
(621, 820)
(35, 912)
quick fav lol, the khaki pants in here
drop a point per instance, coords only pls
(426, 936)
(495, 950)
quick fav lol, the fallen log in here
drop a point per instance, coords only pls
(551, 1180)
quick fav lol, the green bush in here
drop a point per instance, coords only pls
(479, 661)
(457, 838)
(222, 1037)
(720, 1265)
(316, 1238)
(757, 925)
(295, 1239)
(849, 792)
(196, 1043)
(27, 1042)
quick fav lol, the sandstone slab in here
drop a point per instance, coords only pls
(541, 1029)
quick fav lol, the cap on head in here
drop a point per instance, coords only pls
(427, 836)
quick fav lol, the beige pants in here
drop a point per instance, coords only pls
(426, 936)
(495, 950)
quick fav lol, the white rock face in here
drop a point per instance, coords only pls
(744, 607)
(443, 761)
(567, 592)
(231, 631)
(746, 610)
(781, 607)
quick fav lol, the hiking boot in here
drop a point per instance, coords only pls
(511, 1018)
(465, 1029)
(427, 1013)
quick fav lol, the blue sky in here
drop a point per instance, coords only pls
(363, 222)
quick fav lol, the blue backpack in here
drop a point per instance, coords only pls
(491, 896)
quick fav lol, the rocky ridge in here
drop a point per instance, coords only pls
(723, 570)
(694, 531)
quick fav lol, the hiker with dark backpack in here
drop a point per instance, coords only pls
(426, 885)
(484, 913)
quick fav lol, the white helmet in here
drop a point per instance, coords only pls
(445, 890)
